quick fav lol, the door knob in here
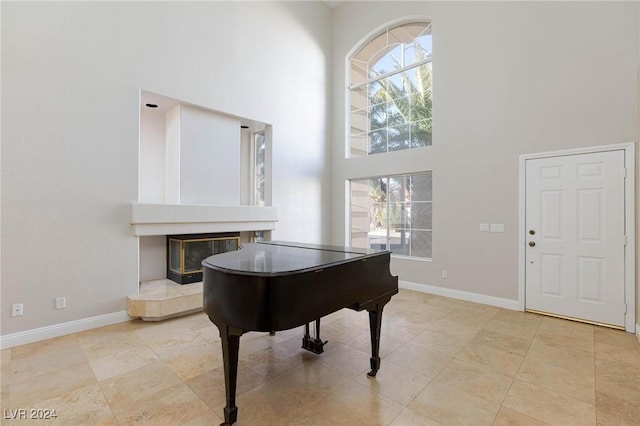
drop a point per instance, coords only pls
(532, 232)
(532, 244)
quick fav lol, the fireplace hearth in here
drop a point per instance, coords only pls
(186, 252)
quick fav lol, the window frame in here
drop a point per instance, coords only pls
(350, 87)
(364, 166)
(254, 169)
(388, 202)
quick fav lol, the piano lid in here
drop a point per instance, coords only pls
(271, 258)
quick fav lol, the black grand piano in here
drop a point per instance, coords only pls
(273, 286)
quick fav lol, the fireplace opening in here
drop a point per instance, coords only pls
(186, 252)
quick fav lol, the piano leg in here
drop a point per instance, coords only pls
(375, 324)
(230, 346)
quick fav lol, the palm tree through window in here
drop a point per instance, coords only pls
(391, 91)
(391, 102)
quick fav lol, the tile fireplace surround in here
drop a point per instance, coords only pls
(160, 299)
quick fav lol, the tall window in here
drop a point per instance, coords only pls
(391, 92)
(393, 213)
(259, 177)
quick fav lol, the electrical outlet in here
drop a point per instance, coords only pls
(17, 310)
(497, 227)
(444, 275)
(61, 302)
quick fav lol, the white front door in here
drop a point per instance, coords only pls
(575, 236)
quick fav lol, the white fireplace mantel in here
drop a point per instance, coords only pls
(171, 219)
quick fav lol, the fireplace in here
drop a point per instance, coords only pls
(186, 252)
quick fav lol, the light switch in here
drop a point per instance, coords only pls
(497, 227)
(484, 227)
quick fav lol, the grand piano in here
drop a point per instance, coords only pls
(273, 286)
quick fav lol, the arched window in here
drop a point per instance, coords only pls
(391, 91)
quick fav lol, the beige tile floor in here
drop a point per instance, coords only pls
(444, 361)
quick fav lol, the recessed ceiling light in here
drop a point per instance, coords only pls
(151, 105)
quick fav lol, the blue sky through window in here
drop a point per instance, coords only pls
(400, 55)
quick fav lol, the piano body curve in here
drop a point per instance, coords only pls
(273, 286)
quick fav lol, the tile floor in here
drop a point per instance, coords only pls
(444, 361)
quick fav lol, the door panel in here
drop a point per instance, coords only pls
(590, 279)
(590, 215)
(551, 214)
(551, 274)
(574, 217)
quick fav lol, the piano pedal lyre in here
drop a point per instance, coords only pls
(315, 345)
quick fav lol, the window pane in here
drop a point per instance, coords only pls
(398, 188)
(359, 144)
(395, 99)
(358, 71)
(419, 50)
(400, 240)
(394, 84)
(360, 213)
(390, 61)
(393, 213)
(378, 202)
(410, 80)
(398, 137)
(398, 112)
(425, 43)
(398, 216)
(421, 134)
(378, 141)
(421, 244)
(378, 116)
(421, 215)
(359, 121)
(260, 169)
(421, 187)
(360, 98)
(410, 32)
(369, 213)
(375, 87)
(378, 213)
(370, 53)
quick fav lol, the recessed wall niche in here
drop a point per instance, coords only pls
(196, 175)
(193, 155)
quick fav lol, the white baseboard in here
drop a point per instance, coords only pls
(56, 330)
(462, 295)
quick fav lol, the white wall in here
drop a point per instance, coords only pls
(71, 76)
(152, 157)
(509, 78)
(246, 175)
(209, 158)
(153, 257)
(172, 150)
